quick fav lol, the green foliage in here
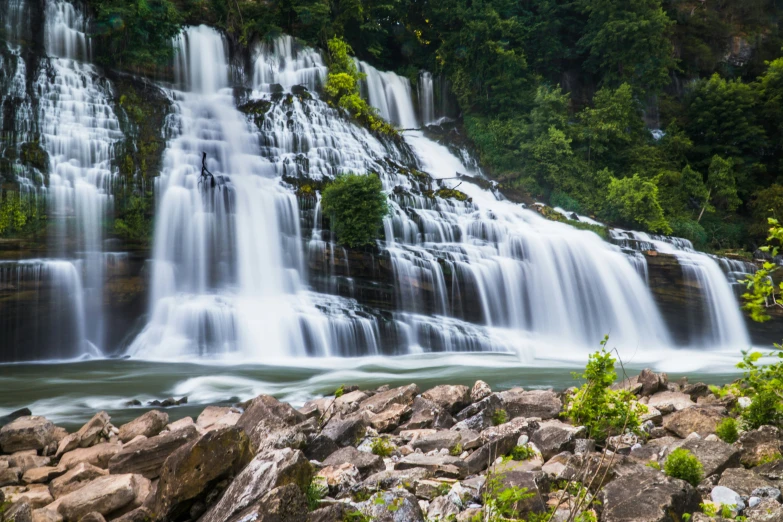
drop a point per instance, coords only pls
(356, 206)
(500, 502)
(316, 490)
(456, 451)
(135, 33)
(499, 417)
(722, 184)
(654, 465)
(628, 42)
(762, 292)
(22, 214)
(727, 430)
(764, 410)
(682, 464)
(635, 201)
(382, 447)
(339, 392)
(603, 411)
(524, 452)
(134, 221)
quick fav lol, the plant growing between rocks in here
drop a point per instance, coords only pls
(727, 430)
(683, 464)
(381, 446)
(356, 206)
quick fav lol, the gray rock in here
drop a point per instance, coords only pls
(480, 390)
(10, 476)
(668, 401)
(771, 470)
(392, 506)
(498, 441)
(486, 406)
(19, 512)
(743, 481)
(715, 456)
(390, 479)
(338, 512)
(93, 517)
(645, 384)
(147, 456)
(366, 463)
(446, 439)
(450, 398)
(27, 433)
(379, 402)
(286, 503)
(767, 492)
(91, 433)
(442, 507)
(98, 455)
(766, 511)
(268, 470)
(723, 496)
(554, 436)
(148, 425)
(647, 496)
(536, 482)
(264, 416)
(439, 465)
(105, 495)
(340, 479)
(759, 445)
(191, 468)
(698, 419)
(42, 475)
(543, 404)
(427, 414)
(75, 478)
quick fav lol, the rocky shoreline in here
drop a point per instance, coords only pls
(399, 454)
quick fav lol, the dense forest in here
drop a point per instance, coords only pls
(661, 115)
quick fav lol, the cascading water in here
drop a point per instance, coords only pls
(78, 131)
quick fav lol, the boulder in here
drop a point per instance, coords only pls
(723, 496)
(179, 424)
(496, 442)
(10, 476)
(93, 517)
(35, 495)
(366, 463)
(340, 478)
(286, 503)
(759, 445)
(96, 428)
(535, 482)
(214, 416)
(389, 418)
(480, 390)
(698, 419)
(391, 479)
(765, 511)
(439, 465)
(450, 398)
(485, 407)
(148, 425)
(105, 495)
(554, 436)
(98, 455)
(442, 508)
(696, 391)
(268, 470)
(338, 433)
(392, 506)
(20, 511)
(743, 481)
(147, 456)
(647, 496)
(75, 478)
(446, 439)
(266, 415)
(25, 461)
(380, 402)
(771, 470)
(43, 474)
(715, 456)
(27, 433)
(668, 401)
(427, 414)
(544, 404)
(191, 468)
(333, 513)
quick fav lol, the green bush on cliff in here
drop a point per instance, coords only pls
(727, 430)
(683, 464)
(356, 206)
(603, 411)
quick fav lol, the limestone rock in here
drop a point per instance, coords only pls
(21, 511)
(446, 439)
(438, 465)
(743, 481)
(333, 513)
(450, 398)
(765, 511)
(427, 414)
(43, 474)
(98, 455)
(723, 496)
(366, 463)
(390, 417)
(544, 404)
(441, 508)
(715, 456)
(104, 495)
(36, 495)
(339, 478)
(391, 479)
(215, 416)
(480, 390)
(668, 401)
(178, 425)
(392, 506)
(286, 503)
(147, 456)
(75, 478)
(148, 425)
(25, 461)
(26, 433)
(268, 470)
(496, 442)
(89, 434)
(379, 402)
(191, 468)
(10, 476)
(759, 445)
(648, 496)
(554, 436)
(265, 415)
(698, 419)
(536, 482)
(93, 517)
(337, 433)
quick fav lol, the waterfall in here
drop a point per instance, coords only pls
(390, 94)
(426, 94)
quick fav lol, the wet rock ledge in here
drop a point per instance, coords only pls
(390, 455)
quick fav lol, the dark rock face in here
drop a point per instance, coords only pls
(651, 497)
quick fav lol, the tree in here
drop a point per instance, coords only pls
(627, 41)
(634, 200)
(356, 206)
(722, 185)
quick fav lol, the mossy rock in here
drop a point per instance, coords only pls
(256, 107)
(32, 155)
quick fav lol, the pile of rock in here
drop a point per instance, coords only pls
(386, 455)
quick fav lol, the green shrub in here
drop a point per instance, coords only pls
(500, 502)
(499, 417)
(522, 452)
(381, 447)
(339, 392)
(356, 206)
(763, 410)
(727, 430)
(603, 411)
(316, 490)
(634, 201)
(682, 464)
(456, 451)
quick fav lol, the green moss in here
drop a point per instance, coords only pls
(33, 155)
(447, 193)
(382, 447)
(499, 417)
